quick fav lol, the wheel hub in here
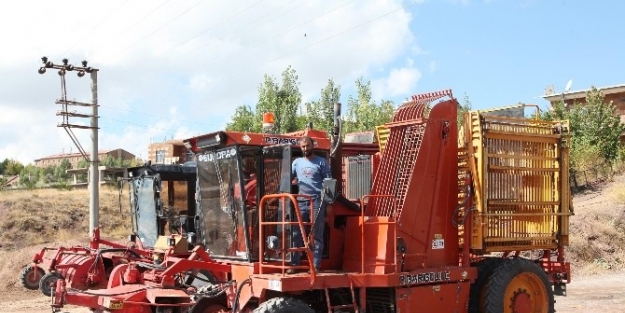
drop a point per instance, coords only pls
(33, 276)
(521, 301)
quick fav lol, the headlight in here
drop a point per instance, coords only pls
(272, 242)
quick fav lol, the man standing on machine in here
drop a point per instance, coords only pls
(309, 172)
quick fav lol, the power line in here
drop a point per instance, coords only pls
(212, 27)
(152, 33)
(251, 48)
(95, 27)
(241, 27)
(141, 19)
(186, 121)
(340, 33)
(125, 122)
(143, 113)
(303, 48)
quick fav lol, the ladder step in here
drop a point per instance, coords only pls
(344, 306)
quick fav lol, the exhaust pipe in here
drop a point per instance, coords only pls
(336, 129)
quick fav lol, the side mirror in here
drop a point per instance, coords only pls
(328, 187)
(191, 237)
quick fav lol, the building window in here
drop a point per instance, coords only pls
(160, 156)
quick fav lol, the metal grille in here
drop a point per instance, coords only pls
(358, 172)
(521, 182)
(400, 154)
(381, 300)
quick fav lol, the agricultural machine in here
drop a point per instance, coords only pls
(424, 220)
(85, 267)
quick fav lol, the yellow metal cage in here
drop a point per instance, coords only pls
(519, 168)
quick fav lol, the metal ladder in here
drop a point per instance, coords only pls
(352, 305)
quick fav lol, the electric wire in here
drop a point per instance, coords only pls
(253, 47)
(211, 27)
(239, 28)
(153, 32)
(339, 33)
(142, 18)
(318, 42)
(181, 121)
(95, 27)
(301, 49)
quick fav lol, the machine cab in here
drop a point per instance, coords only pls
(161, 200)
(231, 181)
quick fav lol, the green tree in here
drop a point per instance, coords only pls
(13, 167)
(60, 171)
(602, 124)
(108, 161)
(30, 176)
(462, 109)
(280, 99)
(321, 112)
(243, 119)
(363, 114)
(595, 130)
(3, 165)
(82, 164)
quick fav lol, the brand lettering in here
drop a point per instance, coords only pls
(423, 278)
(223, 154)
(280, 140)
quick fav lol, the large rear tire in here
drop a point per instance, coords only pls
(30, 277)
(46, 282)
(485, 269)
(518, 286)
(283, 305)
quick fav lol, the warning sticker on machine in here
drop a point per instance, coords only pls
(438, 244)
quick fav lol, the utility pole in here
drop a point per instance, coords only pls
(94, 174)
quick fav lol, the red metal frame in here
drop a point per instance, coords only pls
(435, 272)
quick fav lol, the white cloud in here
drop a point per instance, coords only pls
(181, 68)
(433, 66)
(399, 82)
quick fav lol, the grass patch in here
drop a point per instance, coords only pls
(41, 216)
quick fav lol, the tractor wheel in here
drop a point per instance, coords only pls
(519, 286)
(283, 305)
(485, 268)
(46, 281)
(210, 308)
(30, 277)
(200, 278)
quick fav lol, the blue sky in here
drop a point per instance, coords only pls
(503, 52)
(175, 69)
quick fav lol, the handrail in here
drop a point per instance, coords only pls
(261, 212)
(363, 202)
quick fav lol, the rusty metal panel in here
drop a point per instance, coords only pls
(520, 174)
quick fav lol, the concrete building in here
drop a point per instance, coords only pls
(168, 152)
(615, 93)
(110, 175)
(74, 158)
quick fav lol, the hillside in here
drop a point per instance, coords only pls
(597, 242)
(36, 218)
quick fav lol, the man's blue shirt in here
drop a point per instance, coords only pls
(310, 174)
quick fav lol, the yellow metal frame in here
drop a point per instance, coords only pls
(520, 177)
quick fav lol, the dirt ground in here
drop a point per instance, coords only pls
(598, 230)
(593, 294)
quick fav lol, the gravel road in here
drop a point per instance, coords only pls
(590, 294)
